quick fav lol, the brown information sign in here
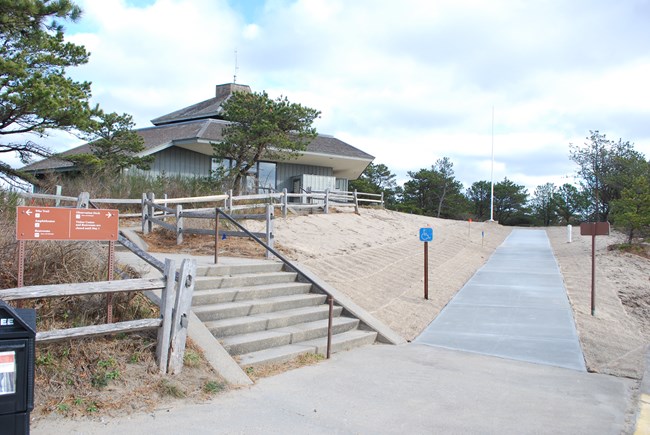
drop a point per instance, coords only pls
(54, 223)
(594, 229)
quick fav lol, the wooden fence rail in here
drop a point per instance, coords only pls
(309, 200)
(154, 213)
(172, 325)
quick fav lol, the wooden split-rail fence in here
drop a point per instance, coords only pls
(156, 213)
(175, 301)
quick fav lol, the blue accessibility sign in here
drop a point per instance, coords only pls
(426, 234)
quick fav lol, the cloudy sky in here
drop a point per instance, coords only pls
(407, 81)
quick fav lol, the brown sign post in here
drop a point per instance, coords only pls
(55, 223)
(426, 236)
(594, 229)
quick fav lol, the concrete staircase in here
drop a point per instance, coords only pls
(261, 314)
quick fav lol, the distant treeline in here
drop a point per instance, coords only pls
(613, 184)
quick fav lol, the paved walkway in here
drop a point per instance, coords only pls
(514, 307)
(423, 389)
(382, 389)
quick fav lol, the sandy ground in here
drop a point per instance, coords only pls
(614, 341)
(377, 259)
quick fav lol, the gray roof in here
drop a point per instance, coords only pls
(205, 109)
(200, 130)
(200, 122)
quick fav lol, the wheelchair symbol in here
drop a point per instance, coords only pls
(426, 234)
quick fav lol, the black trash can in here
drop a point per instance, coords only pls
(17, 343)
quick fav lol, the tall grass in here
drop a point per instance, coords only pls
(133, 185)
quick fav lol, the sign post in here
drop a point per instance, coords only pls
(594, 229)
(426, 235)
(55, 223)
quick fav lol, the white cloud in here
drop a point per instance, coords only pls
(408, 82)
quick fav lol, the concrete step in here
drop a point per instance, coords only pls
(256, 306)
(243, 280)
(261, 322)
(277, 355)
(255, 341)
(216, 296)
(261, 266)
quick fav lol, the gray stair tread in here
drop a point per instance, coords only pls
(253, 287)
(251, 302)
(343, 341)
(244, 279)
(268, 320)
(246, 275)
(245, 292)
(217, 270)
(210, 312)
(288, 330)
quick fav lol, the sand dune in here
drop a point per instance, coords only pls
(376, 258)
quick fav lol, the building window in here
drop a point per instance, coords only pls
(266, 177)
(261, 178)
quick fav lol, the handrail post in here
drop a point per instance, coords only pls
(269, 229)
(216, 235)
(330, 300)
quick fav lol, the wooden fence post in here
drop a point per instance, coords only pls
(179, 224)
(57, 201)
(327, 201)
(382, 200)
(285, 203)
(229, 202)
(166, 307)
(150, 210)
(269, 229)
(180, 320)
(356, 202)
(83, 199)
(145, 227)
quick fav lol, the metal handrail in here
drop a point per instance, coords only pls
(288, 263)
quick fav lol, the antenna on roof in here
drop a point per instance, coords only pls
(234, 77)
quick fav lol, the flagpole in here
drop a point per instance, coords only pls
(492, 173)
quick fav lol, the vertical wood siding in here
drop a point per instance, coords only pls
(179, 161)
(286, 172)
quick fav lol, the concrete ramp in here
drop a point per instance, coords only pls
(514, 307)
